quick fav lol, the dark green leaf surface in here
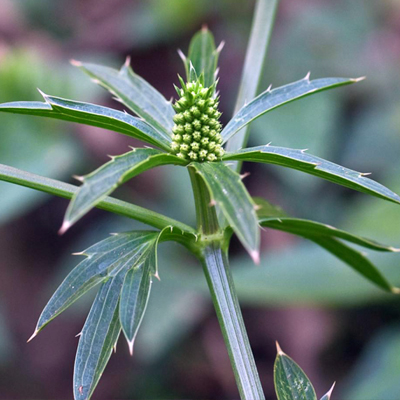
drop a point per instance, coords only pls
(98, 338)
(108, 177)
(65, 190)
(230, 195)
(267, 210)
(271, 99)
(90, 114)
(134, 297)
(305, 228)
(355, 259)
(204, 56)
(291, 383)
(300, 160)
(135, 93)
(104, 260)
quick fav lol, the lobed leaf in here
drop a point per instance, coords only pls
(104, 260)
(98, 338)
(108, 177)
(298, 159)
(230, 195)
(90, 114)
(291, 383)
(135, 93)
(134, 298)
(271, 99)
(203, 57)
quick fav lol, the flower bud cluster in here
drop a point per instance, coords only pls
(196, 133)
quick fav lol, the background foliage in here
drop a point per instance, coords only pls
(336, 325)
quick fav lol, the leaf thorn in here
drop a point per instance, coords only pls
(361, 78)
(365, 174)
(255, 255)
(130, 345)
(220, 47)
(127, 61)
(395, 290)
(64, 227)
(78, 178)
(329, 394)
(33, 336)
(307, 77)
(278, 349)
(157, 276)
(75, 63)
(78, 334)
(212, 203)
(245, 175)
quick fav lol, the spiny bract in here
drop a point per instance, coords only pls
(196, 133)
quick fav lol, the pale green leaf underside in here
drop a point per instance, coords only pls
(300, 160)
(291, 383)
(104, 260)
(108, 177)
(271, 99)
(98, 337)
(135, 93)
(230, 195)
(134, 298)
(203, 55)
(90, 114)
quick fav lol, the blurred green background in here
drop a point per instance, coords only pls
(333, 323)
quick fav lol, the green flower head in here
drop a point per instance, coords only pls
(196, 133)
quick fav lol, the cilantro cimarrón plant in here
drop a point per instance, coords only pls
(187, 133)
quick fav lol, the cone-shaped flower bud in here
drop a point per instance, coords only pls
(197, 131)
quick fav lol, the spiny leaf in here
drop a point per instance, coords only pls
(135, 93)
(291, 383)
(90, 114)
(203, 57)
(230, 195)
(99, 336)
(134, 297)
(357, 260)
(300, 160)
(271, 99)
(305, 228)
(104, 260)
(327, 396)
(108, 177)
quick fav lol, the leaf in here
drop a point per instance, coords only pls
(291, 383)
(203, 56)
(90, 114)
(298, 159)
(65, 190)
(134, 298)
(104, 260)
(99, 336)
(306, 228)
(263, 22)
(267, 210)
(135, 93)
(327, 396)
(358, 261)
(230, 195)
(108, 177)
(271, 99)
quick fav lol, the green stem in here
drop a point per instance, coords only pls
(213, 245)
(65, 190)
(263, 23)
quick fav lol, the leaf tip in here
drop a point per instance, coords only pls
(127, 62)
(361, 78)
(329, 394)
(245, 175)
(394, 249)
(307, 77)
(278, 349)
(130, 345)
(64, 227)
(220, 47)
(75, 63)
(395, 290)
(78, 178)
(33, 335)
(204, 28)
(255, 255)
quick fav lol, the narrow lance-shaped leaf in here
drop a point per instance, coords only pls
(98, 337)
(203, 57)
(291, 383)
(90, 114)
(134, 298)
(230, 195)
(326, 237)
(300, 160)
(104, 260)
(135, 93)
(65, 190)
(108, 177)
(274, 98)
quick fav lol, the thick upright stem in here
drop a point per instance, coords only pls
(216, 269)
